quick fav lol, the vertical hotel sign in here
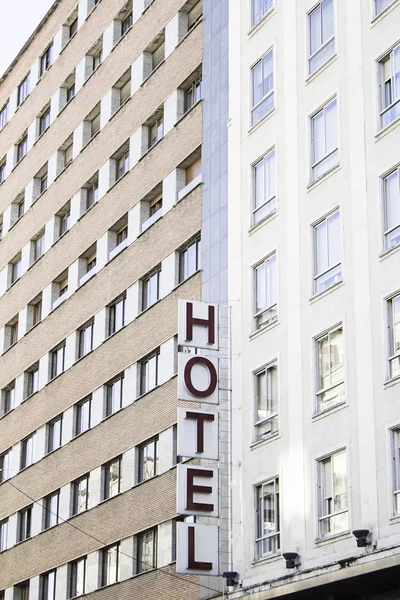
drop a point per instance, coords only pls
(197, 493)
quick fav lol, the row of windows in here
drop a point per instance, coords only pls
(320, 20)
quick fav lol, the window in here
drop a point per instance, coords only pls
(193, 93)
(82, 415)
(114, 396)
(148, 460)
(86, 339)
(24, 524)
(21, 591)
(54, 434)
(264, 194)
(333, 508)
(159, 54)
(327, 259)
(92, 194)
(266, 402)
(390, 87)
(391, 209)
(380, 5)
(321, 35)
(44, 122)
(148, 374)
(3, 534)
(110, 565)
(16, 270)
(22, 148)
(122, 234)
(156, 131)
(126, 24)
(195, 14)
(23, 90)
(64, 221)
(112, 478)
(4, 115)
(189, 259)
(151, 288)
(193, 173)
(330, 373)
(259, 8)
(262, 75)
(73, 28)
(13, 332)
(116, 315)
(91, 262)
(38, 247)
(266, 309)
(97, 58)
(27, 451)
(37, 313)
(80, 495)
(67, 150)
(51, 507)
(47, 586)
(33, 381)
(43, 183)
(76, 578)
(5, 461)
(122, 164)
(147, 550)
(267, 519)
(324, 140)
(21, 208)
(71, 91)
(2, 171)
(57, 361)
(155, 205)
(7, 399)
(46, 60)
(394, 334)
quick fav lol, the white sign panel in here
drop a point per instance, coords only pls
(197, 378)
(197, 492)
(197, 434)
(198, 325)
(197, 549)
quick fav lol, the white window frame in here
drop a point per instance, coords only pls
(394, 354)
(273, 305)
(395, 229)
(324, 44)
(271, 200)
(376, 12)
(272, 415)
(330, 153)
(269, 94)
(319, 404)
(108, 576)
(395, 104)
(271, 539)
(254, 20)
(114, 403)
(335, 269)
(324, 514)
(76, 569)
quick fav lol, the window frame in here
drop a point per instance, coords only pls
(107, 487)
(46, 60)
(78, 430)
(273, 417)
(112, 315)
(144, 372)
(325, 44)
(22, 88)
(390, 55)
(147, 288)
(319, 404)
(316, 163)
(106, 575)
(49, 515)
(271, 93)
(54, 372)
(45, 592)
(324, 515)
(110, 397)
(22, 148)
(54, 440)
(3, 534)
(27, 456)
(257, 314)
(140, 540)
(24, 524)
(76, 509)
(387, 231)
(269, 155)
(393, 354)
(142, 459)
(253, 20)
(4, 114)
(195, 241)
(331, 268)
(82, 339)
(275, 537)
(73, 570)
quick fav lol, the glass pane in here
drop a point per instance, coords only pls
(396, 72)
(114, 478)
(333, 222)
(396, 325)
(392, 195)
(268, 73)
(270, 175)
(191, 260)
(111, 565)
(119, 314)
(315, 30)
(321, 247)
(261, 395)
(271, 281)
(116, 395)
(336, 357)
(319, 136)
(147, 551)
(261, 290)
(327, 20)
(257, 83)
(323, 363)
(339, 482)
(259, 187)
(152, 373)
(331, 127)
(80, 578)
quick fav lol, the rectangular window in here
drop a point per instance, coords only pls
(82, 415)
(15, 270)
(321, 32)
(5, 462)
(91, 262)
(44, 122)
(64, 222)
(122, 235)
(37, 313)
(122, 165)
(259, 8)
(24, 524)
(97, 58)
(4, 115)
(333, 507)
(80, 495)
(112, 478)
(22, 148)
(77, 578)
(27, 451)
(21, 591)
(158, 55)
(47, 586)
(189, 259)
(54, 434)
(390, 87)
(73, 28)
(324, 140)
(110, 565)
(33, 381)
(327, 258)
(267, 519)
(92, 194)
(7, 399)
(193, 93)
(38, 247)
(156, 131)
(195, 14)
(126, 23)
(395, 444)
(57, 361)
(330, 370)
(263, 98)
(114, 396)
(116, 315)
(394, 336)
(43, 183)
(21, 208)
(86, 339)
(148, 460)
(264, 193)
(149, 373)
(391, 209)
(51, 508)
(380, 5)
(266, 402)
(147, 550)
(70, 92)
(2, 171)
(266, 307)
(3, 534)
(151, 289)
(46, 59)
(13, 331)
(23, 90)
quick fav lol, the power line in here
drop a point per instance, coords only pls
(104, 544)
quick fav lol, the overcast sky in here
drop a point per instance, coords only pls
(18, 21)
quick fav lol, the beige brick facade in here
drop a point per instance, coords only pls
(140, 505)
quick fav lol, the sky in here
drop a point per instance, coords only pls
(18, 21)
